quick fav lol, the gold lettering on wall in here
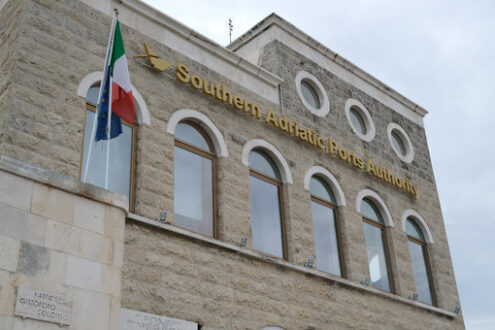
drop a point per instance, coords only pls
(288, 126)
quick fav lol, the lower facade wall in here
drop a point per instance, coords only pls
(60, 243)
(169, 274)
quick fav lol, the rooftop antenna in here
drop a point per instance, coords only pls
(231, 27)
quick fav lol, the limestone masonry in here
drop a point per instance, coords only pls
(270, 184)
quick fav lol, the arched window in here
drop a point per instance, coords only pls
(267, 216)
(122, 153)
(194, 180)
(376, 246)
(419, 260)
(325, 227)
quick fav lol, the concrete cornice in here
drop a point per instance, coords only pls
(275, 20)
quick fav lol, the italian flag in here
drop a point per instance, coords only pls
(122, 100)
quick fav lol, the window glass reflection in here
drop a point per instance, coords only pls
(266, 217)
(310, 94)
(413, 230)
(420, 271)
(376, 257)
(320, 189)
(193, 191)
(357, 121)
(189, 134)
(369, 210)
(119, 180)
(325, 236)
(398, 143)
(92, 95)
(260, 162)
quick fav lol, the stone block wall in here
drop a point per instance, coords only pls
(43, 116)
(54, 239)
(219, 287)
(9, 35)
(286, 62)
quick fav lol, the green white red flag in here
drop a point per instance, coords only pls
(122, 100)
(115, 87)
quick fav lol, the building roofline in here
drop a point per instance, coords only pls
(200, 40)
(275, 20)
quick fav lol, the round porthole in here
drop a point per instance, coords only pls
(360, 120)
(312, 94)
(400, 142)
(397, 143)
(309, 94)
(357, 121)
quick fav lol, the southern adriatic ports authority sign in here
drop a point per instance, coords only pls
(39, 305)
(326, 144)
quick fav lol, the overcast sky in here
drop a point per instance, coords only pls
(439, 54)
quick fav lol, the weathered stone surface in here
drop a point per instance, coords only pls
(9, 253)
(34, 260)
(83, 273)
(89, 215)
(15, 191)
(91, 311)
(62, 237)
(22, 225)
(53, 203)
(95, 247)
(247, 292)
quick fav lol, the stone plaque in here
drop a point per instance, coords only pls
(40, 305)
(134, 320)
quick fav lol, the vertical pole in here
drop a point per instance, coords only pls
(105, 72)
(109, 121)
(109, 127)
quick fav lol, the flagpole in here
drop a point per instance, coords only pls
(102, 86)
(109, 127)
(109, 122)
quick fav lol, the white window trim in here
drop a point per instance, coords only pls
(320, 91)
(210, 128)
(142, 115)
(365, 115)
(408, 158)
(419, 221)
(324, 174)
(279, 160)
(380, 204)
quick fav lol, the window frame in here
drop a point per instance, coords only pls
(309, 85)
(90, 106)
(337, 232)
(280, 186)
(356, 112)
(402, 135)
(209, 155)
(385, 248)
(318, 87)
(424, 248)
(365, 115)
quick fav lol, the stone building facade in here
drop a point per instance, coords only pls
(106, 254)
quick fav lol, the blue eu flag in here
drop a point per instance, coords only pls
(101, 126)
